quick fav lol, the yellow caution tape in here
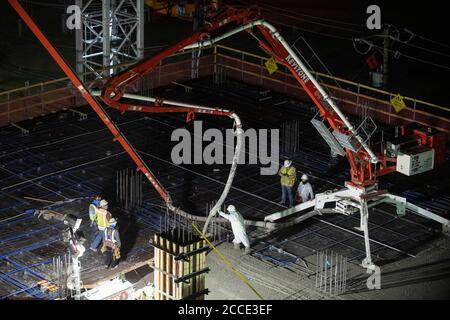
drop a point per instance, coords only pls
(228, 263)
(398, 103)
(271, 65)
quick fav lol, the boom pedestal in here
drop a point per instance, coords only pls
(352, 200)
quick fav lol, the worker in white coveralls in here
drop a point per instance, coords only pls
(304, 190)
(238, 227)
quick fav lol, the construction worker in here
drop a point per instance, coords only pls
(288, 176)
(304, 190)
(95, 204)
(238, 227)
(102, 217)
(111, 245)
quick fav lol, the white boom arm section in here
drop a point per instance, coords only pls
(351, 200)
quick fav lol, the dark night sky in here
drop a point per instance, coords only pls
(329, 26)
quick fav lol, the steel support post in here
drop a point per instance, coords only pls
(107, 23)
(140, 29)
(364, 211)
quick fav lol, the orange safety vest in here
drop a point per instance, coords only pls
(103, 217)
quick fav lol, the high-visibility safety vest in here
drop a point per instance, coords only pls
(109, 238)
(103, 217)
(93, 212)
(288, 176)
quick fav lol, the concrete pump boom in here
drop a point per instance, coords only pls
(114, 89)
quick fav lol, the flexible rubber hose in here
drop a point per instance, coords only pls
(239, 133)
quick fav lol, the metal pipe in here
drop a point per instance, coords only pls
(239, 133)
(276, 35)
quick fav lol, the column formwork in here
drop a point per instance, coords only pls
(179, 266)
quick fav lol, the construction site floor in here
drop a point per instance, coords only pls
(68, 160)
(425, 276)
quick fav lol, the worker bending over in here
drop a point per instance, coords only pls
(111, 245)
(238, 227)
(288, 176)
(102, 216)
(304, 190)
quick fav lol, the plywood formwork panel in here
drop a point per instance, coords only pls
(180, 266)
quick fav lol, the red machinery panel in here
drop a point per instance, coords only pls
(429, 137)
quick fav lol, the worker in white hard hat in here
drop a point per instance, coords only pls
(288, 176)
(102, 217)
(304, 190)
(238, 227)
(111, 244)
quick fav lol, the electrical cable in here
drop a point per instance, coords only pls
(273, 8)
(427, 39)
(399, 54)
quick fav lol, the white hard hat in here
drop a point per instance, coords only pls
(103, 203)
(112, 221)
(287, 163)
(304, 177)
(231, 208)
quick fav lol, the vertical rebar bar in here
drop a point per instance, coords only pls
(335, 274)
(142, 186)
(131, 189)
(121, 187)
(325, 270)
(127, 190)
(320, 270)
(345, 274)
(331, 272)
(317, 268)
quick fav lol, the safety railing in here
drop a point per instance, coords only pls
(52, 96)
(354, 98)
